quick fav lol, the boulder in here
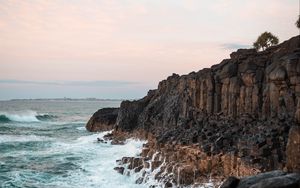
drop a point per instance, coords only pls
(230, 182)
(287, 181)
(273, 179)
(103, 120)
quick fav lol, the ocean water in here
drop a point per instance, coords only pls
(44, 144)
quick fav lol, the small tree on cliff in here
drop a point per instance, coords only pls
(298, 22)
(265, 40)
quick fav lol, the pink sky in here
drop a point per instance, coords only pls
(139, 42)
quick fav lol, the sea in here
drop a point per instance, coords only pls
(44, 144)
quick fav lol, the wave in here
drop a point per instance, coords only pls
(43, 117)
(23, 138)
(4, 119)
(28, 116)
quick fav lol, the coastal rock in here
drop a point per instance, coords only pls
(119, 169)
(231, 182)
(287, 181)
(293, 150)
(103, 120)
(239, 112)
(236, 118)
(273, 179)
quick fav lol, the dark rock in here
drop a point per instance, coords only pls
(273, 179)
(236, 115)
(102, 120)
(231, 182)
(117, 142)
(287, 181)
(138, 169)
(101, 140)
(119, 169)
(249, 181)
(293, 150)
(168, 184)
(139, 180)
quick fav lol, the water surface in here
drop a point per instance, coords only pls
(44, 143)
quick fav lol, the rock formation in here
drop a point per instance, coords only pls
(102, 120)
(273, 179)
(232, 119)
(293, 150)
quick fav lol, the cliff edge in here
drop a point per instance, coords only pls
(232, 119)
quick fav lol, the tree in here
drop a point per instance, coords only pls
(298, 22)
(265, 40)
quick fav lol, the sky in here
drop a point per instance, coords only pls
(119, 49)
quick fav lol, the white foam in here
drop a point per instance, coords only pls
(99, 159)
(25, 116)
(81, 128)
(23, 138)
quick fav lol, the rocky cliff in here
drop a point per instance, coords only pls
(103, 120)
(231, 119)
(263, 85)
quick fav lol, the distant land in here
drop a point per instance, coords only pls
(66, 99)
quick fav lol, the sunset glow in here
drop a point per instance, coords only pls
(130, 44)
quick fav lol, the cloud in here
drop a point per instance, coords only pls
(234, 46)
(95, 83)
(125, 40)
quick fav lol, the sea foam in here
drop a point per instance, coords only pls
(24, 116)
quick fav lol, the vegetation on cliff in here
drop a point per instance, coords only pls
(265, 40)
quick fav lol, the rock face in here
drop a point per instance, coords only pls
(293, 150)
(102, 120)
(233, 119)
(263, 85)
(273, 179)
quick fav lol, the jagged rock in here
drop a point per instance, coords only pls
(102, 120)
(186, 175)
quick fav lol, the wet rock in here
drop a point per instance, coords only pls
(138, 169)
(168, 184)
(117, 142)
(101, 140)
(119, 169)
(186, 175)
(139, 180)
(135, 163)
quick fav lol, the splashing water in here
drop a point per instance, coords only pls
(57, 151)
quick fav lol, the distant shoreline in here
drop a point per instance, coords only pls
(65, 99)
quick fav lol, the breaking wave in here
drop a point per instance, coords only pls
(28, 116)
